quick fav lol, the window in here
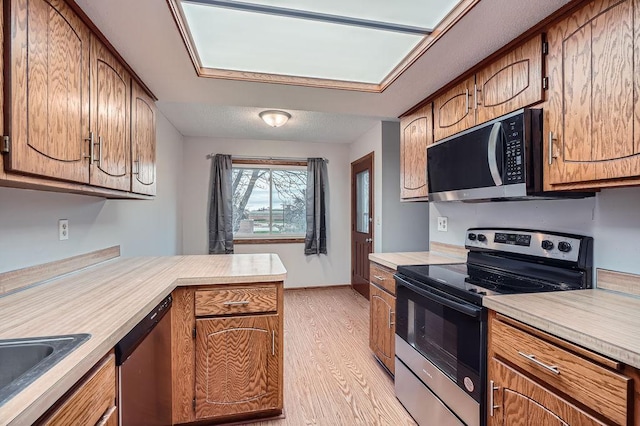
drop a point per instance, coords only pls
(269, 202)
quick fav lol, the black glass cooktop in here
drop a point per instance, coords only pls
(471, 282)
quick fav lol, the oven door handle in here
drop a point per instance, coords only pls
(463, 308)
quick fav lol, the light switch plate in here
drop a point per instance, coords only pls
(63, 229)
(442, 223)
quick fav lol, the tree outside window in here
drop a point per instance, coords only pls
(269, 202)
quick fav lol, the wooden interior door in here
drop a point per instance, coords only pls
(361, 222)
(237, 365)
(143, 142)
(512, 82)
(453, 111)
(111, 118)
(49, 105)
(416, 134)
(382, 327)
(593, 113)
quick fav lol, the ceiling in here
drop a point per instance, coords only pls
(144, 33)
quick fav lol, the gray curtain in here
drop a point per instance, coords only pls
(315, 242)
(220, 209)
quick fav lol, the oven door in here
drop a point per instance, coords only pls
(447, 331)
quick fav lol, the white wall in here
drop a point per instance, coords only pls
(612, 218)
(29, 219)
(303, 271)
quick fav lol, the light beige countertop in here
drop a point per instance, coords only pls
(603, 321)
(393, 260)
(107, 301)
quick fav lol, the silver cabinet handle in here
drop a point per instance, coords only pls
(273, 342)
(137, 163)
(90, 139)
(492, 389)
(240, 303)
(533, 359)
(378, 277)
(467, 94)
(390, 314)
(550, 147)
(99, 160)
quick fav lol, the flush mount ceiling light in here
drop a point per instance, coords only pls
(275, 118)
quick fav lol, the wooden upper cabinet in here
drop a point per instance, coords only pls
(110, 120)
(512, 82)
(453, 111)
(593, 111)
(416, 134)
(237, 366)
(143, 142)
(49, 104)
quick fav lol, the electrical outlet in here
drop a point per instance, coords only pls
(442, 223)
(63, 229)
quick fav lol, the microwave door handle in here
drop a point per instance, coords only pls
(469, 310)
(492, 153)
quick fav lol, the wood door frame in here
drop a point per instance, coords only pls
(368, 158)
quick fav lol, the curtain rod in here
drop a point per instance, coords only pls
(248, 157)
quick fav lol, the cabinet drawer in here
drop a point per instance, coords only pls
(598, 388)
(382, 277)
(227, 301)
(92, 399)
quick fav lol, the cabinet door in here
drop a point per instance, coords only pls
(49, 94)
(143, 142)
(382, 328)
(416, 134)
(237, 365)
(518, 401)
(512, 82)
(453, 111)
(110, 120)
(593, 113)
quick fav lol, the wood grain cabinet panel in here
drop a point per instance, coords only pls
(237, 365)
(92, 401)
(49, 95)
(453, 111)
(512, 82)
(382, 277)
(239, 300)
(519, 401)
(382, 327)
(416, 134)
(110, 120)
(143, 142)
(593, 112)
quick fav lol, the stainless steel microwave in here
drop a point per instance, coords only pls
(497, 160)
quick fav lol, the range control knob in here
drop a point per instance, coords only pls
(564, 246)
(547, 245)
(471, 236)
(482, 238)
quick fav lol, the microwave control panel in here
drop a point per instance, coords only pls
(514, 149)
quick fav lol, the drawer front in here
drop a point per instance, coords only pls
(91, 400)
(382, 277)
(599, 388)
(227, 301)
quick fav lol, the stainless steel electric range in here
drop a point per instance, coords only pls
(441, 326)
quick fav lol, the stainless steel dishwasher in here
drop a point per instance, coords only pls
(143, 359)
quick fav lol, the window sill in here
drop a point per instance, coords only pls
(268, 240)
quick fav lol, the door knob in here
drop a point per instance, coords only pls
(368, 240)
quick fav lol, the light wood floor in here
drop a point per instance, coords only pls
(330, 375)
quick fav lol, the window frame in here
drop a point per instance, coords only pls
(271, 165)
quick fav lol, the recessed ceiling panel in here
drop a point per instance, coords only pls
(239, 40)
(417, 13)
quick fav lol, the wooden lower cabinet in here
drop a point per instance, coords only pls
(382, 328)
(519, 401)
(227, 367)
(90, 402)
(538, 379)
